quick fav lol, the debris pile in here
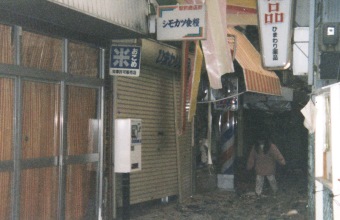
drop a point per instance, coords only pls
(289, 203)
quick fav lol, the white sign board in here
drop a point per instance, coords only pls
(181, 22)
(275, 22)
(125, 60)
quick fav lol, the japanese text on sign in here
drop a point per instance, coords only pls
(275, 30)
(275, 42)
(274, 15)
(125, 60)
(181, 22)
(168, 59)
(190, 7)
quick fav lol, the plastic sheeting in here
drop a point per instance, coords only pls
(309, 113)
(216, 50)
(267, 103)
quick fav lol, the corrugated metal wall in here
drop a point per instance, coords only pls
(150, 97)
(127, 13)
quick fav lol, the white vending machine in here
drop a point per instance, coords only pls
(128, 145)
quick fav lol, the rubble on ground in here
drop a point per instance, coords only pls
(290, 202)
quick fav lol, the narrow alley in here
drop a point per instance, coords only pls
(169, 109)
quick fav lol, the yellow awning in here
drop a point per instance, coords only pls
(241, 12)
(256, 78)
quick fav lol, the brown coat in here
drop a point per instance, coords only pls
(265, 164)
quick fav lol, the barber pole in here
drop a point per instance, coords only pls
(228, 128)
(227, 142)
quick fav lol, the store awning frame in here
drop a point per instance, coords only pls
(257, 79)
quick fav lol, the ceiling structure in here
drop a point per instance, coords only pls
(239, 12)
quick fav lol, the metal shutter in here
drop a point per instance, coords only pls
(150, 97)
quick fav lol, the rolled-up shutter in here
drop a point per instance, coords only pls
(150, 97)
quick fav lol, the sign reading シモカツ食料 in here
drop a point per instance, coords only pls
(181, 22)
(275, 23)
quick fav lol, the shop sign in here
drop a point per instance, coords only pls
(275, 23)
(160, 55)
(168, 58)
(181, 22)
(125, 60)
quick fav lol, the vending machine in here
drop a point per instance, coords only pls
(127, 145)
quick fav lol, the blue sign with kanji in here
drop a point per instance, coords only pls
(125, 60)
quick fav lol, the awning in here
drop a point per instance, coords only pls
(241, 12)
(256, 78)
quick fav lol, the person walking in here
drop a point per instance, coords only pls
(263, 156)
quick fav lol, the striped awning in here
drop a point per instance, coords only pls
(256, 78)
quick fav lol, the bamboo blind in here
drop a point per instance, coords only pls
(80, 192)
(6, 118)
(39, 193)
(81, 108)
(40, 127)
(80, 189)
(6, 134)
(6, 54)
(83, 60)
(5, 195)
(42, 52)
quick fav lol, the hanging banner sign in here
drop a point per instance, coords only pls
(275, 23)
(125, 60)
(181, 22)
